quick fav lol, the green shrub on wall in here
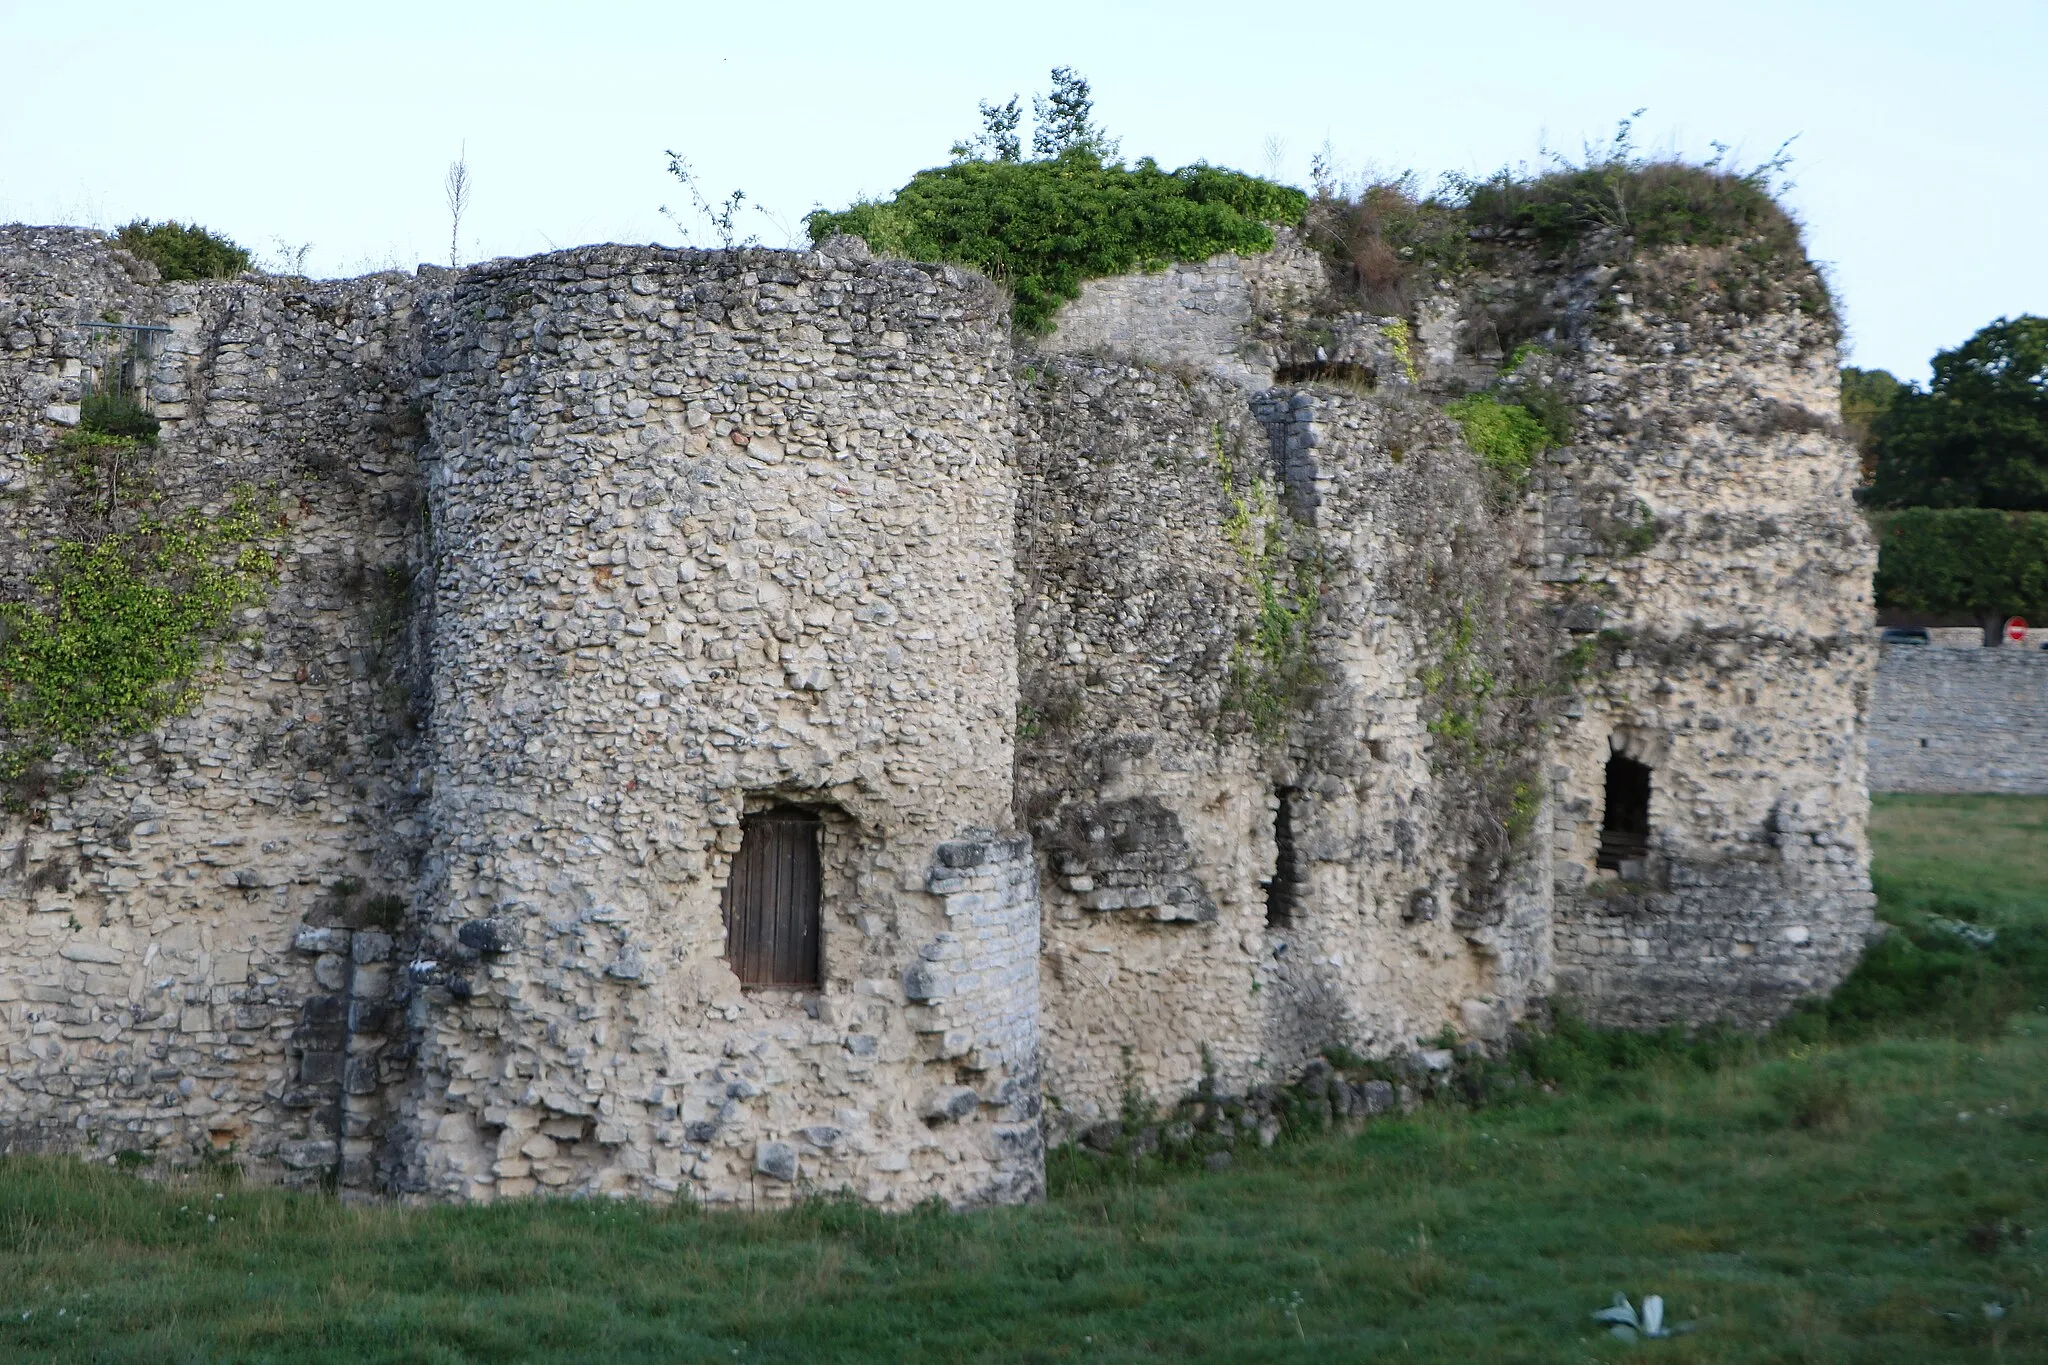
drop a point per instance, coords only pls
(1043, 227)
(1393, 240)
(1967, 561)
(1073, 213)
(1657, 202)
(183, 251)
(1507, 437)
(107, 644)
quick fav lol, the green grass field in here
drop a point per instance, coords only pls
(1852, 1190)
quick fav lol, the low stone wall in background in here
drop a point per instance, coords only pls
(1960, 720)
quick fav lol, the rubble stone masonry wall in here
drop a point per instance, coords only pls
(177, 970)
(1199, 315)
(1960, 720)
(1165, 761)
(1159, 718)
(714, 532)
(1701, 531)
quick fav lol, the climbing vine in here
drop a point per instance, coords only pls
(1271, 666)
(1485, 703)
(1460, 684)
(107, 641)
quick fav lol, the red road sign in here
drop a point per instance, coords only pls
(2016, 630)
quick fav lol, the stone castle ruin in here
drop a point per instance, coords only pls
(727, 723)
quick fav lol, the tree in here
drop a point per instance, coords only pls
(1964, 561)
(1065, 126)
(998, 140)
(1867, 395)
(1978, 435)
(1065, 120)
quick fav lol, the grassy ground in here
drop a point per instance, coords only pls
(1977, 851)
(1823, 1200)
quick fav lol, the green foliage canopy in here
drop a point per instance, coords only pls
(1963, 561)
(1867, 396)
(1978, 435)
(1045, 226)
(182, 251)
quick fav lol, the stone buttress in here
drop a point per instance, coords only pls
(1701, 538)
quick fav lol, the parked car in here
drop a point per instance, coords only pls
(1905, 635)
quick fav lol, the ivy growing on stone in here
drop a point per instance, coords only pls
(1459, 683)
(107, 642)
(1396, 333)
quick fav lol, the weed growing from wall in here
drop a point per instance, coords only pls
(107, 643)
(1491, 693)
(103, 466)
(115, 414)
(1656, 201)
(1506, 437)
(1385, 237)
(1396, 333)
(1624, 539)
(1459, 683)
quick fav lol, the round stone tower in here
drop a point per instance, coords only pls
(720, 896)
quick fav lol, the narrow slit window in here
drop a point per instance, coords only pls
(1283, 892)
(1625, 825)
(771, 901)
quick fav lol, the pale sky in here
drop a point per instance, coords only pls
(1919, 164)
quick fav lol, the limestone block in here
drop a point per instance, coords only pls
(776, 1160)
(948, 1104)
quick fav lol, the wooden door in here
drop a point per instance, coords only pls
(771, 902)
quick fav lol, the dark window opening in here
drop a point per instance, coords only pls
(1283, 892)
(771, 902)
(1329, 371)
(1625, 827)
